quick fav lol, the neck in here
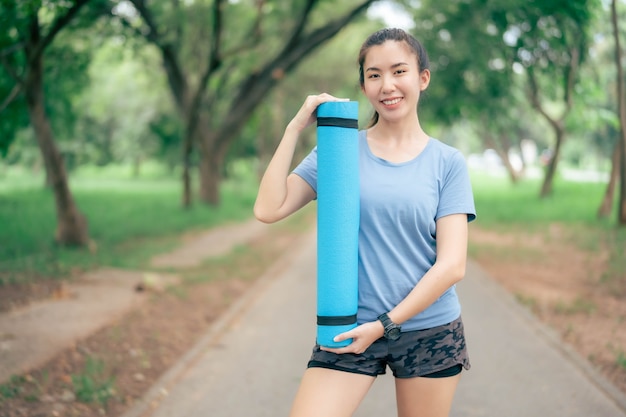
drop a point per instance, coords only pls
(399, 131)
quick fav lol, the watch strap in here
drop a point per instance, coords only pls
(388, 324)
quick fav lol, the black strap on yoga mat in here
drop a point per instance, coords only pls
(338, 122)
(336, 320)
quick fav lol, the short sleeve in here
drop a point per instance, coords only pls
(307, 169)
(456, 192)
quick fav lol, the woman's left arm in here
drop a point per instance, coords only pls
(449, 268)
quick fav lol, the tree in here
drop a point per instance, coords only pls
(29, 28)
(606, 206)
(621, 109)
(556, 47)
(479, 50)
(229, 72)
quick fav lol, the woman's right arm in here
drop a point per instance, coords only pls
(281, 193)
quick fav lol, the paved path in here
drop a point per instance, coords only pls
(251, 362)
(31, 335)
(213, 243)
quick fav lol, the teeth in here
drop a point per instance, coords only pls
(390, 102)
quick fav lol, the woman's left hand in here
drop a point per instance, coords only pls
(362, 337)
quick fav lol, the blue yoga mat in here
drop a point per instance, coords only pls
(337, 220)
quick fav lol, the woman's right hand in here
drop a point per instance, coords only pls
(280, 193)
(306, 115)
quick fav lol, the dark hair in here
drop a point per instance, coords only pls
(391, 34)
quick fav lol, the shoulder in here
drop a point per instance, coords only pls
(446, 153)
(443, 148)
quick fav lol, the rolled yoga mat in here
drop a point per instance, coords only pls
(337, 220)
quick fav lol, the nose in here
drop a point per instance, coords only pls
(388, 84)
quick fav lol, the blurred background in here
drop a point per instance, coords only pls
(126, 123)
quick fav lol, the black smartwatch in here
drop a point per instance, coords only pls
(392, 330)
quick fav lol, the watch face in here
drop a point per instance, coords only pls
(394, 334)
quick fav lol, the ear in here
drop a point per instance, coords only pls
(424, 79)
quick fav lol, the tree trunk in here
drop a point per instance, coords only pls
(621, 110)
(211, 162)
(210, 180)
(609, 195)
(187, 151)
(503, 152)
(546, 187)
(621, 215)
(189, 139)
(558, 124)
(71, 224)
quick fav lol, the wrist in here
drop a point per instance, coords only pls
(293, 129)
(391, 330)
(380, 327)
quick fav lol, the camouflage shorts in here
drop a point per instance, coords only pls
(415, 353)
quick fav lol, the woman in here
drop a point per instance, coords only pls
(416, 202)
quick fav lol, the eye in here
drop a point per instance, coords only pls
(401, 71)
(372, 76)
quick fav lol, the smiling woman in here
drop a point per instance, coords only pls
(415, 202)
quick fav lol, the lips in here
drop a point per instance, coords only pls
(391, 102)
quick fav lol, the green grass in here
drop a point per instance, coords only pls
(129, 221)
(94, 384)
(621, 360)
(579, 305)
(499, 202)
(12, 388)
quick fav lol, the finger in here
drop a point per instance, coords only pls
(335, 350)
(329, 97)
(343, 336)
(351, 348)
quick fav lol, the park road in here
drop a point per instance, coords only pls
(251, 362)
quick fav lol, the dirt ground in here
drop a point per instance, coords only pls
(563, 286)
(106, 373)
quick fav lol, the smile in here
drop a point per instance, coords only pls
(391, 102)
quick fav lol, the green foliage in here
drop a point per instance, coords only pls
(479, 46)
(125, 114)
(481, 53)
(12, 388)
(28, 387)
(12, 117)
(65, 63)
(94, 384)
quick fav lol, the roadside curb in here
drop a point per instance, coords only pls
(552, 337)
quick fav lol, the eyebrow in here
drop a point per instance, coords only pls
(399, 64)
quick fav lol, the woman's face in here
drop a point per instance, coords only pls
(393, 81)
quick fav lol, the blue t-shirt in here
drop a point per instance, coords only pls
(400, 204)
